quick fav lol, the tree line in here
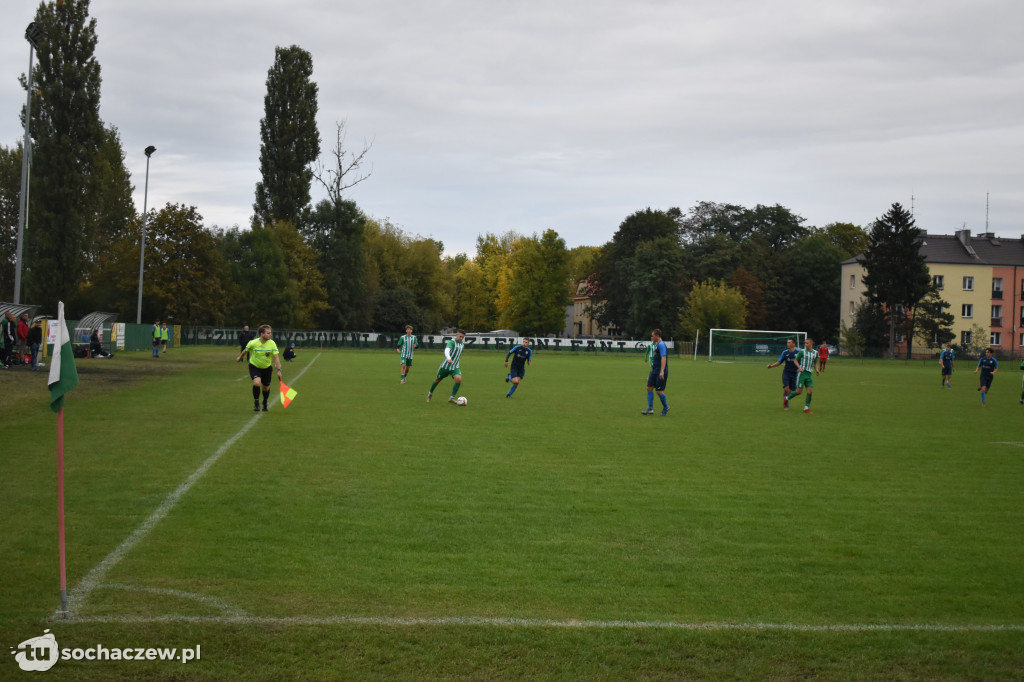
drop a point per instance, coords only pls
(329, 265)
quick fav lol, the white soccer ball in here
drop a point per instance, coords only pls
(461, 401)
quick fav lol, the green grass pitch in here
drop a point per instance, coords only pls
(363, 533)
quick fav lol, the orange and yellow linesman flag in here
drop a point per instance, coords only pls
(287, 395)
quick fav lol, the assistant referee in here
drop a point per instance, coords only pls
(263, 353)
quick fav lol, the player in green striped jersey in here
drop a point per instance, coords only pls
(406, 345)
(450, 367)
(806, 361)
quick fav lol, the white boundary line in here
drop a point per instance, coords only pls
(306, 621)
(78, 595)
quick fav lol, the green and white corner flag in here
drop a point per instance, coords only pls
(63, 374)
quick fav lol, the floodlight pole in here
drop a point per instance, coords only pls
(142, 250)
(32, 34)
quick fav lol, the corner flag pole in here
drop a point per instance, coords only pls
(63, 377)
(60, 513)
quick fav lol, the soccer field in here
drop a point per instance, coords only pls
(559, 534)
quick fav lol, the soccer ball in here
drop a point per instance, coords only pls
(461, 401)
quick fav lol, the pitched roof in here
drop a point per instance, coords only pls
(985, 249)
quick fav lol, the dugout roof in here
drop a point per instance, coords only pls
(95, 321)
(18, 308)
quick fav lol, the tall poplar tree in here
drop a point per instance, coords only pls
(289, 139)
(10, 178)
(68, 134)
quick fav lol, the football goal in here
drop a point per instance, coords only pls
(737, 345)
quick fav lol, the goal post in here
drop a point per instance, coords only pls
(737, 345)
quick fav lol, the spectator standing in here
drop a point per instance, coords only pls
(35, 340)
(22, 333)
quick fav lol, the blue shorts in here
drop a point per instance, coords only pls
(986, 381)
(657, 383)
(789, 379)
(519, 372)
(947, 369)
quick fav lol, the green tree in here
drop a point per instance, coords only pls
(396, 308)
(538, 298)
(10, 193)
(897, 275)
(640, 274)
(259, 269)
(397, 262)
(289, 139)
(494, 254)
(473, 300)
(68, 134)
(305, 282)
(713, 305)
(932, 324)
(810, 276)
(582, 265)
(749, 285)
(852, 239)
(335, 232)
(112, 189)
(185, 271)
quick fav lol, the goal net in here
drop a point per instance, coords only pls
(738, 345)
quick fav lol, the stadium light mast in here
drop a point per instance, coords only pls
(142, 249)
(33, 34)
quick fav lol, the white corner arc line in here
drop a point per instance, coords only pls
(78, 595)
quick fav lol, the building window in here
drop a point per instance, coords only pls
(853, 281)
(939, 281)
(997, 312)
(1022, 316)
(1022, 340)
(899, 337)
(965, 338)
(997, 287)
(968, 284)
(967, 310)
(995, 339)
(852, 313)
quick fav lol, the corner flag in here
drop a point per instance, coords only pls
(63, 374)
(287, 395)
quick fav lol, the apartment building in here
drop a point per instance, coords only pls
(981, 277)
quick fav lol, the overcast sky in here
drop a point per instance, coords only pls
(572, 114)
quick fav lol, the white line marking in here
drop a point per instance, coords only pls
(78, 595)
(227, 609)
(1008, 442)
(305, 621)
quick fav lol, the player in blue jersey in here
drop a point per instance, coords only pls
(658, 376)
(988, 366)
(521, 355)
(789, 372)
(946, 363)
